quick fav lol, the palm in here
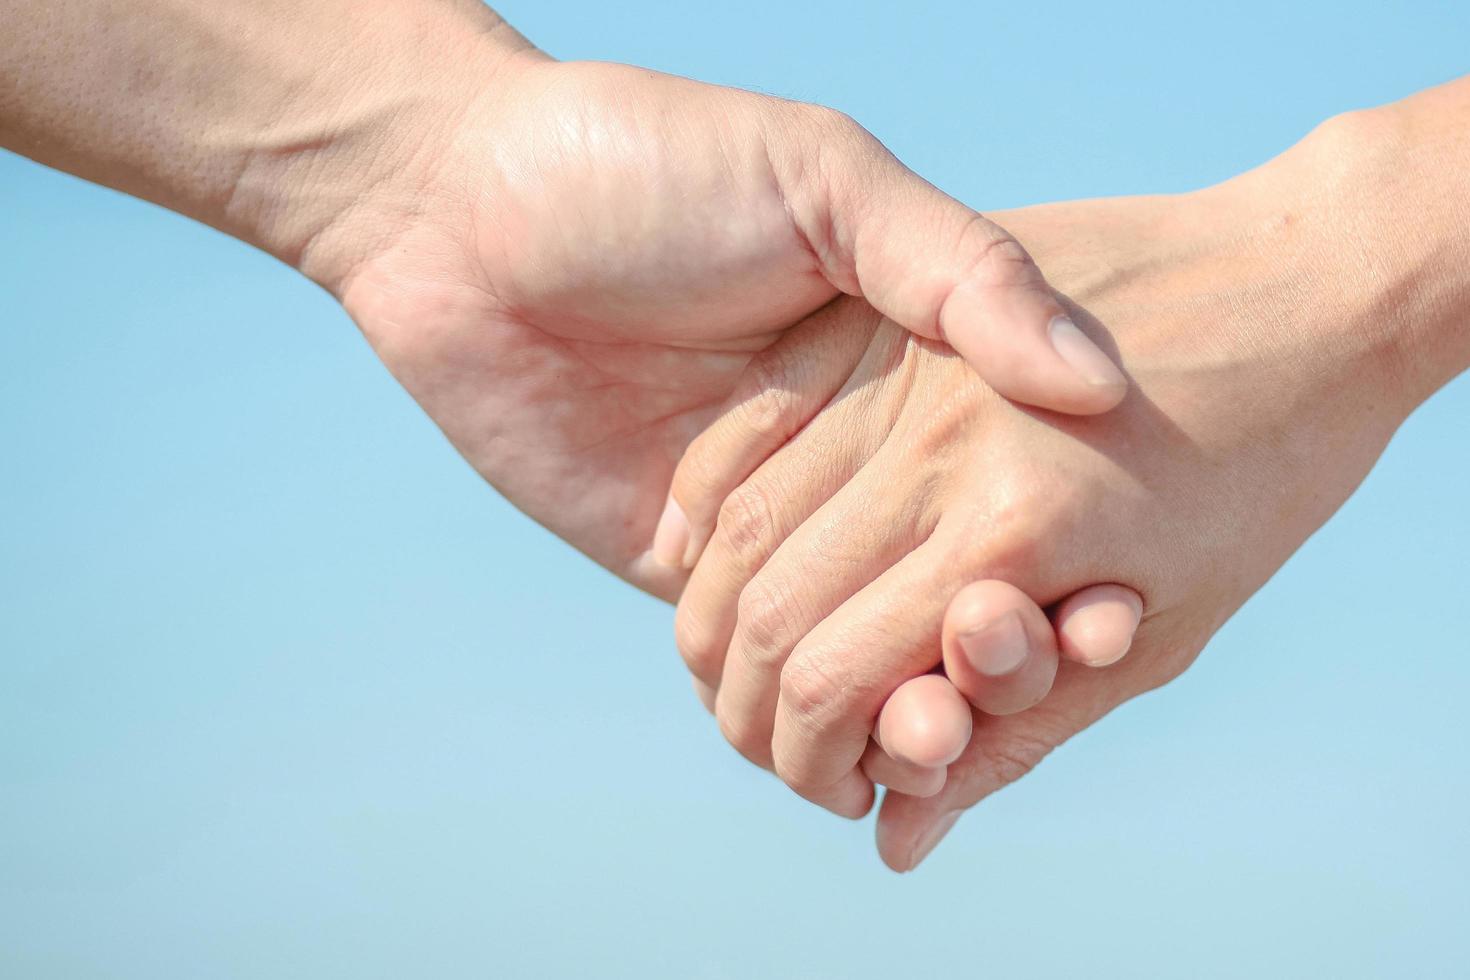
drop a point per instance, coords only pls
(567, 351)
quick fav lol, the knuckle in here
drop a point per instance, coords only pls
(763, 620)
(847, 151)
(837, 122)
(999, 259)
(810, 689)
(979, 551)
(770, 406)
(1013, 554)
(747, 522)
(698, 644)
(1026, 521)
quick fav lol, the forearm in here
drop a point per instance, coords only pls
(1425, 183)
(265, 118)
(1383, 200)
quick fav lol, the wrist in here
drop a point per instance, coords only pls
(1422, 173)
(269, 120)
(1362, 214)
(355, 158)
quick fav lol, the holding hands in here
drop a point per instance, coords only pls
(598, 255)
(1266, 382)
(729, 347)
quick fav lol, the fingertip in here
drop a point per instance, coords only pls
(1086, 359)
(1096, 626)
(985, 635)
(1021, 341)
(999, 648)
(894, 855)
(671, 536)
(925, 722)
(905, 839)
(891, 832)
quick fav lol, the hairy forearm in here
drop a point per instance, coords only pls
(265, 118)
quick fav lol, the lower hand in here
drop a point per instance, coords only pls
(1266, 388)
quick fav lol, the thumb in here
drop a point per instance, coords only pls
(941, 270)
(1005, 748)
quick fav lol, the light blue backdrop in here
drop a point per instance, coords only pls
(265, 641)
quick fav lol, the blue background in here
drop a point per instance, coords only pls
(285, 691)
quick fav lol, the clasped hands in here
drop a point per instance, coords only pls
(917, 514)
(912, 509)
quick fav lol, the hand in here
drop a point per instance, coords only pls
(1266, 383)
(608, 246)
(568, 265)
(604, 322)
(926, 723)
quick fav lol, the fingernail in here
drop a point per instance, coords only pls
(671, 537)
(1099, 632)
(1082, 355)
(930, 838)
(998, 647)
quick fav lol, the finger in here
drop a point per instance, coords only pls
(781, 389)
(763, 511)
(942, 270)
(999, 648)
(896, 774)
(754, 519)
(849, 541)
(844, 669)
(925, 723)
(1096, 625)
(1002, 750)
(923, 727)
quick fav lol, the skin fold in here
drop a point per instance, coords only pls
(1270, 365)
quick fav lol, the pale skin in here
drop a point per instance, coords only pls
(927, 722)
(1277, 329)
(488, 256)
(570, 266)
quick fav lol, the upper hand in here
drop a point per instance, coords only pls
(1259, 405)
(581, 267)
